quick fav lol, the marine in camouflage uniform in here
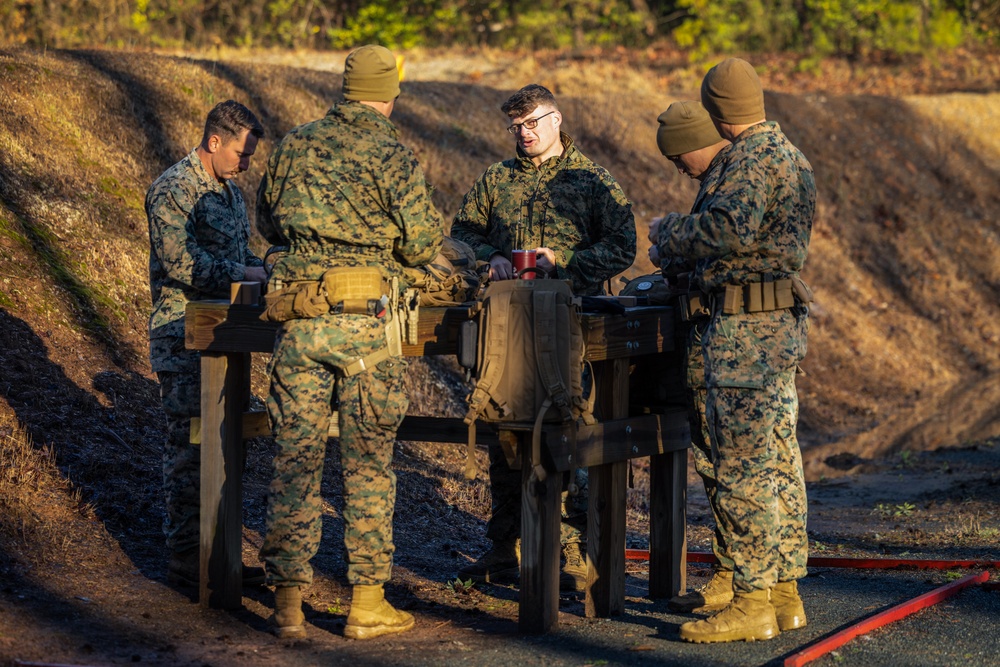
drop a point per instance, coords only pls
(341, 191)
(552, 198)
(688, 138)
(198, 244)
(758, 221)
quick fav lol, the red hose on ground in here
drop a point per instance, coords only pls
(856, 563)
(836, 640)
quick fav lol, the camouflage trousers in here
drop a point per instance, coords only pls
(305, 382)
(701, 446)
(760, 488)
(180, 396)
(504, 524)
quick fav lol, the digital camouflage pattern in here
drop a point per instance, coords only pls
(694, 365)
(760, 489)
(371, 405)
(340, 191)
(568, 204)
(758, 218)
(199, 238)
(198, 244)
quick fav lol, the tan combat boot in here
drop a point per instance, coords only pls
(288, 618)
(709, 598)
(573, 573)
(788, 608)
(749, 617)
(498, 565)
(372, 616)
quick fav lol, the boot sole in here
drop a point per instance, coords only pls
(792, 623)
(290, 632)
(371, 632)
(760, 634)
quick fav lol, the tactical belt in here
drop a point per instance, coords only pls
(343, 289)
(766, 295)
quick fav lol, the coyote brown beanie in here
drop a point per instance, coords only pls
(685, 127)
(370, 74)
(731, 93)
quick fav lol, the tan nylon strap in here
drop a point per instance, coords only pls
(470, 454)
(367, 363)
(536, 441)
(544, 305)
(493, 364)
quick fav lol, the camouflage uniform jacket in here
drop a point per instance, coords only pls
(342, 191)
(198, 242)
(568, 204)
(758, 219)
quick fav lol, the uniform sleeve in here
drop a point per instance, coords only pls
(263, 221)
(471, 224)
(420, 223)
(730, 222)
(171, 223)
(614, 249)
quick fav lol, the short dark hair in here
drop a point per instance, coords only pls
(229, 119)
(527, 100)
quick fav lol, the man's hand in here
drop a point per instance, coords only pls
(500, 268)
(545, 259)
(256, 274)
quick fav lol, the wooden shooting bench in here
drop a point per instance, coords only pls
(226, 334)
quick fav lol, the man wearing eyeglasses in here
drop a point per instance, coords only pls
(552, 199)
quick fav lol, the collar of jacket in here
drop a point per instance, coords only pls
(569, 153)
(201, 173)
(759, 128)
(362, 115)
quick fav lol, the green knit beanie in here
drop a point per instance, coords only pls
(370, 75)
(685, 127)
(731, 93)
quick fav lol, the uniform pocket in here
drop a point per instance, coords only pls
(743, 350)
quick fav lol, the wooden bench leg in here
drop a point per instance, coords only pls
(224, 381)
(541, 511)
(667, 534)
(606, 504)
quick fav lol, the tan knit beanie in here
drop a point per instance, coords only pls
(685, 127)
(370, 75)
(731, 93)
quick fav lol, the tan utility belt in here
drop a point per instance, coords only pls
(342, 289)
(757, 297)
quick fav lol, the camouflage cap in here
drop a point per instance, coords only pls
(685, 127)
(731, 93)
(370, 75)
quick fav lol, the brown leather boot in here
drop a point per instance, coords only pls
(788, 608)
(372, 616)
(749, 617)
(709, 598)
(288, 618)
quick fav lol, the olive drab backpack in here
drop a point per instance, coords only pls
(450, 279)
(528, 360)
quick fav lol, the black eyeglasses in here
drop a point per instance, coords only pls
(529, 124)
